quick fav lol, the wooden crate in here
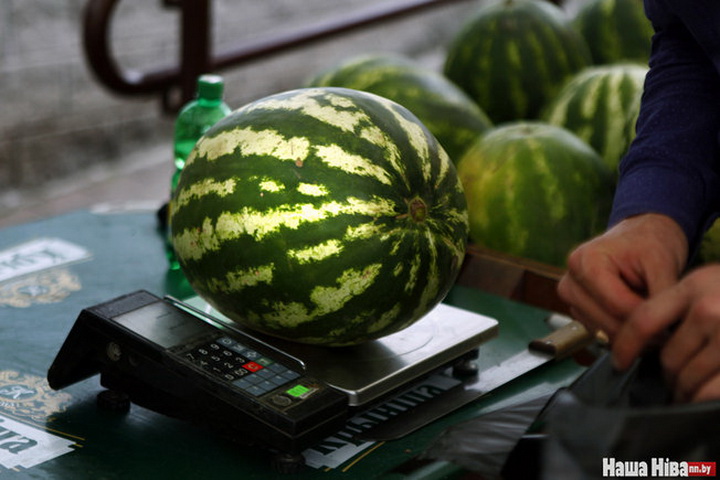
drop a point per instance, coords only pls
(520, 279)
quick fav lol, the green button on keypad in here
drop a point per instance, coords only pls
(298, 391)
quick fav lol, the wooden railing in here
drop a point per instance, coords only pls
(196, 56)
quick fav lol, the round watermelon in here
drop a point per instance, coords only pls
(631, 123)
(709, 249)
(615, 30)
(597, 104)
(512, 56)
(327, 216)
(441, 106)
(534, 190)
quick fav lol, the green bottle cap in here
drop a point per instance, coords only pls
(210, 87)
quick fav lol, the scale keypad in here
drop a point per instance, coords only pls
(241, 366)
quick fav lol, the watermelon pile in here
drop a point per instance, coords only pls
(529, 61)
(326, 216)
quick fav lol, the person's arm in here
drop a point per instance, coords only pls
(672, 165)
(625, 281)
(668, 187)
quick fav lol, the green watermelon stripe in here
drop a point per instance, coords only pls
(545, 176)
(431, 284)
(350, 284)
(534, 41)
(544, 38)
(612, 90)
(412, 276)
(416, 135)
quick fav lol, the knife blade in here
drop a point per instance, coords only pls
(557, 345)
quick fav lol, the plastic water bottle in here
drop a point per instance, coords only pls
(193, 120)
(196, 117)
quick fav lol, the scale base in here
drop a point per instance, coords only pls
(372, 370)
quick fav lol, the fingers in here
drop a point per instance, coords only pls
(696, 374)
(609, 276)
(599, 296)
(691, 357)
(647, 323)
(585, 309)
(709, 391)
(691, 353)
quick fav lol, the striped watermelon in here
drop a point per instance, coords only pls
(615, 30)
(512, 56)
(534, 190)
(441, 106)
(321, 215)
(597, 105)
(631, 124)
(709, 249)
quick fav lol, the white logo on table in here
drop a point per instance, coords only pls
(29, 397)
(30, 273)
(37, 255)
(23, 446)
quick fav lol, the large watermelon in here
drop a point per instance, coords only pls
(441, 106)
(321, 215)
(512, 56)
(615, 30)
(597, 105)
(534, 190)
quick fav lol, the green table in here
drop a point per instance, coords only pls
(48, 434)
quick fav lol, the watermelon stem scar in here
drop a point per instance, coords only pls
(417, 210)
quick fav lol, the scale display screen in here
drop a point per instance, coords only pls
(162, 324)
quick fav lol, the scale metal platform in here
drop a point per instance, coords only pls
(371, 371)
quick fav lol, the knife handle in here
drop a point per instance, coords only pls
(564, 341)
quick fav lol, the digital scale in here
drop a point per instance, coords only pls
(187, 361)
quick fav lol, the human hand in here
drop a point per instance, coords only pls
(691, 355)
(610, 275)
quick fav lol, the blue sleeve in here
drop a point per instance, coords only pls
(672, 166)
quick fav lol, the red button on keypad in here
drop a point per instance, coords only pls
(252, 366)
